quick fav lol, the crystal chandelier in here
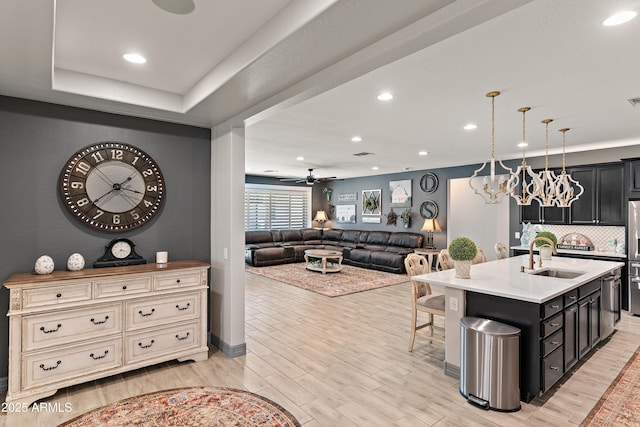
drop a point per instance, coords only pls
(546, 194)
(494, 187)
(565, 185)
(524, 178)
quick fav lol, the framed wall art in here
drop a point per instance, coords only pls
(371, 202)
(346, 214)
(400, 192)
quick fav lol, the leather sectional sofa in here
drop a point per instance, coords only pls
(378, 250)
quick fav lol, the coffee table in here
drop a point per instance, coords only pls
(323, 260)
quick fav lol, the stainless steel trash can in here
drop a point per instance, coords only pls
(490, 364)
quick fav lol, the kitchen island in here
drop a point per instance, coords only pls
(558, 317)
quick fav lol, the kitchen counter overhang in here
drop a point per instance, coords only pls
(504, 278)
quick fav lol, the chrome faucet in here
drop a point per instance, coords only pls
(546, 239)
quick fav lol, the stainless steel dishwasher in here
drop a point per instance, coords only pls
(610, 313)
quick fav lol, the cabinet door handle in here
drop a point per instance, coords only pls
(555, 368)
(50, 368)
(49, 331)
(179, 338)
(554, 324)
(146, 346)
(146, 314)
(183, 308)
(99, 322)
(99, 357)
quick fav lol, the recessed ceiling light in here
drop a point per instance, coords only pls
(356, 139)
(375, 168)
(470, 126)
(619, 18)
(299, 158)
(385, 96)
(423, 153)
(179, 7)
(523, 144)
(134, 58)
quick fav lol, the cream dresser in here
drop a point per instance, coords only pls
(69, 327)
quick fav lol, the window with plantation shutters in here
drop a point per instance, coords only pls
(273, 207)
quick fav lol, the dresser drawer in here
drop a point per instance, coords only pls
(551, 325)
(177, 280)
(68, 326)
(155, 312)
(53, 295)
(120, 287)
(552, 369)
(56, 365)
(161, 341)
(551, 343)
(552, 307)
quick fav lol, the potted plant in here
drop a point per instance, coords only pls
(544, 247)
(326, 192)
(405, 217)
(462, 250)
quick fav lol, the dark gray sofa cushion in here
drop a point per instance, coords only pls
(406, 240)
(380, 238)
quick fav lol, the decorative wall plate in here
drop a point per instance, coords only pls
(429, 209)
(429, 182)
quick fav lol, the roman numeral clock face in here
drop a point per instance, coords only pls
(112, 186)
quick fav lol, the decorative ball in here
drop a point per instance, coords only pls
(44, 265)
(75, 262)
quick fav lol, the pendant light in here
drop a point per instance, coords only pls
(546, 194)
(494, 187)
(524, 178)
(565, 185)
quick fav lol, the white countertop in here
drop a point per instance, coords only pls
(577, 252)
(503, 277)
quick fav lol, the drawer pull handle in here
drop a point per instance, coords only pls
(554, 325)
(555, 368)
(99, 322)
(58, 295)
(146, 346)
(50, 368)
(51, 330)
(182, 338)
(146, 314)
(99, 357)
(573, 297)
(183, 308)
(555, 342)
(178, 281)
(555, 306)
(124, 288)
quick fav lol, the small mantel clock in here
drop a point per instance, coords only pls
(119, 252)
(112, 186)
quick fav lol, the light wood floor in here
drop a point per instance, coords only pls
(344, 362)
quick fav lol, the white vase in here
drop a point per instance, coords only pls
(545, 252)
(463, 269)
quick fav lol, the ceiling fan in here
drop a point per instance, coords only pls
(309, 180)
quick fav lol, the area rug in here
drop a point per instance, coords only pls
(620, 404)
(189, 407)
(348, 281)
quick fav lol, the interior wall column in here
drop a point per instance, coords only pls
(227, 292)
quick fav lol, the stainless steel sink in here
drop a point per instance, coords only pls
(557, 274)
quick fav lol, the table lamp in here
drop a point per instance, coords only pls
(321, 217)
(430, 225)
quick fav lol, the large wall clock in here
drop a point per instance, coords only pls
(112, 186)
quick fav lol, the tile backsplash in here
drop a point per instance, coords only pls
(600, 236)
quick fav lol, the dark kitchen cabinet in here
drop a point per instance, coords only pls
(570, 329)
(602, 202)
(633, 177)
(589, 307)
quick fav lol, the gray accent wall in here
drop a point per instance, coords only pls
(36, 139)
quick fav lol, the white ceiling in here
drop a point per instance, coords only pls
(304, 74)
